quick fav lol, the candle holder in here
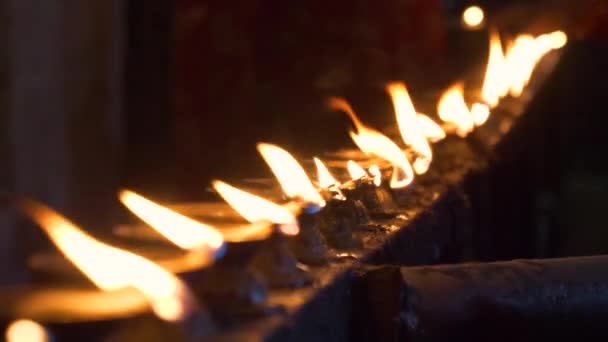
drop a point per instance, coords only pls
(377, 199)
(340, 218)
(233, 291)
(309, 246)
(277, 264)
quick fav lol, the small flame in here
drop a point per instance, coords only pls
(432, 131)
(25, 330)
(480, 113)
(407, 119)
(559, 39)
(452, 109)
(326, 180)
(354, 170)
(290, 174)
(111, 268)
(495, 84)
(371, 141)
(254, 208)
(374, 170)
(179, 229)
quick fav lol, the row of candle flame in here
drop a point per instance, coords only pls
(111, 268)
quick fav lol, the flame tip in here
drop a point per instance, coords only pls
(112, 268)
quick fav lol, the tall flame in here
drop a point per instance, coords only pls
(495, 84)
(520, 61)
(407, 120)
(179, 229)
(452, 109)
(326, 180)
(111, 268)
(354, 170)
(432, 131)
(254, 208)
(289, 173)
(371, 141)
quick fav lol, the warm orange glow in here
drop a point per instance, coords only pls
(495, 83)
(452, 109)
(432, 131)
(254, 231)
(111, 268)
(407, 120)
(549, 41)
(520, 62)
(179, 229)
(289, 173)
(559, 39)
(326, 180)
(473, 16)
(480, 113)
(374, 170)
(25, 330)
(354, 170)
(373, 142)
(254, 208)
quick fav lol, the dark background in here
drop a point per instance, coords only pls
(163, 96)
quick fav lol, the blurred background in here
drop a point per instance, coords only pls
(162, 96)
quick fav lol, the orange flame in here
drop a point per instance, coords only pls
(254, 208)
(374, 170)
(452, 109)
(525, 53)
(179, 229)
(25, 330)
(326, 180)
(354, 170)
(432, 131)
(371, 141)
(289, 173)
(480, 113)
(407, 119)
(111, 268)
(520, 63)
(495, 84)
(559, 39)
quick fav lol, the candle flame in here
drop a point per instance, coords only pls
(25, 330)
(179, 229)
(480, 113)
(559, 39)
(111, 268)
(452, 109)
(495, 84)
(374, 170)
(432, 131)
(371, 141)
(290, 174)
(326, 180)
(407, 120)
(523, 56)
(255, 209)
(520, 61)
(354, 170)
